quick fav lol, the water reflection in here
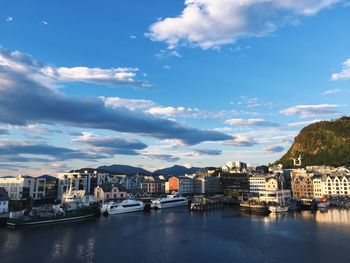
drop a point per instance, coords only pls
(333, 216)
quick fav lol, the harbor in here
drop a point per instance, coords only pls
(177, 235)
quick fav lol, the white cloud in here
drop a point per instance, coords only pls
(250, 122)
(310, 110)
(113, 76)
(45, 23)
(344, 73)
(167, 53)
(331, 91)
(50, 75)
(170, 111)
(241, 141)
(302, 123)
(9, 19)
(212, 23)
(131, 104)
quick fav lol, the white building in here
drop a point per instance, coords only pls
(4, 201)
(257, 184)
(86, 181)
(331, 185)
(234, 166)
(24, 186)
(274, 193)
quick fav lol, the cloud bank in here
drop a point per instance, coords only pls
(213, 23)
(26, 96)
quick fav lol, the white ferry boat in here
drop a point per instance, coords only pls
(126, 206)
(169, 201)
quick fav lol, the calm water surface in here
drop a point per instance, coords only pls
(176, 235)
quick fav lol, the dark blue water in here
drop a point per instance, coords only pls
(176, 235)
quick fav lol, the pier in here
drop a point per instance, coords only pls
(202, 203)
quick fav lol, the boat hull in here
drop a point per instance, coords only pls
(254, 208)
(127, 206)
(124, 211)
(169, 205)
(81, 214)
(278, 209)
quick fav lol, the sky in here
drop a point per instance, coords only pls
(156, 83)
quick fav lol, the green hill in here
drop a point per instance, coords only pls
(321, 143)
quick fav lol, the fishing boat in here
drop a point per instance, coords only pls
(126, 206)
(75, 205)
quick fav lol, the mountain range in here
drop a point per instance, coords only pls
(127, 169)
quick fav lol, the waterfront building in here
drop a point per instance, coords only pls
(206, 184)
(257, 183)
(274, 192)
(20, 187)
(132, 182)
(302, 184)
(4, 201)
(153, 185)
(332, 185)
(108, 191)
(86, 180)
(234, 184)
(182, 185)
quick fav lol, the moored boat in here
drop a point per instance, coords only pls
(323, 204)
(278, 209)
(75, 206)
(254, 207)
(126, 206)
(170, 201)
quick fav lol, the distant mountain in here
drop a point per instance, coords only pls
(177, 170)
(124, 169)
(321, 143)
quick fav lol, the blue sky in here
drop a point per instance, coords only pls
(154, 83)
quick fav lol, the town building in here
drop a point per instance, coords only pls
(331, 185)
(50, 187)
(257, 183)
(24, 186)
(182, 185)
(153, 185)
(234, 167)
(80, 180)
(132, 182)
(274, 191)
(234, 184)
(206, 184)
(108, 191)
(302, 184)
(4, 201)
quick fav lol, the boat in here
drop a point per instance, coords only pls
(278, 209)
(74, 206)
(174, 200)
(323, 204)
(254, 207)
(126, 206)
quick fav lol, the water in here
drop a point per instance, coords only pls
(176, 235)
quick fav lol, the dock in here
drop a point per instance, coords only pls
(202, 203)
